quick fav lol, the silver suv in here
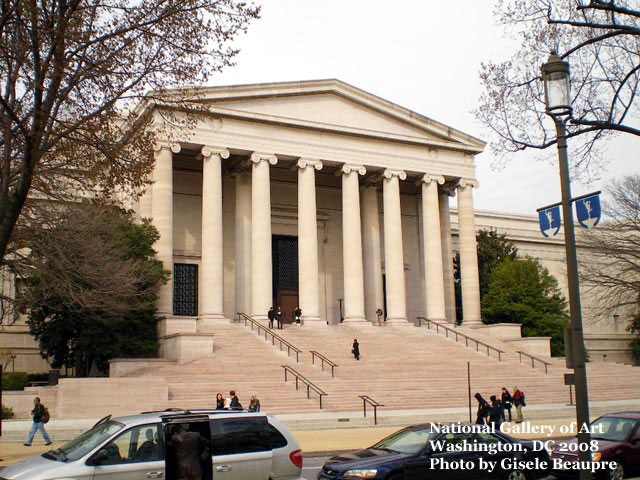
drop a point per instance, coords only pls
(231, 445)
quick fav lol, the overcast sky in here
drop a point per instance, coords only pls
(424, 55)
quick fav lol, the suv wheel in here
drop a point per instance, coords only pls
(616, 472)
(516, 475)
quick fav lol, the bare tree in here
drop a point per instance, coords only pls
(71, 70)
(601, 41)
(611, 273)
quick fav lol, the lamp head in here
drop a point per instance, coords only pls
(555, 76)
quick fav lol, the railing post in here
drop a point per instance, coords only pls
(545, 368)
(297, 356)
(499, 356)
(533, 362)
(375, 414)
(285, 375)
(320, 401)
(313, 358)
(332, 375)
(296, 382)
(364, 405)
(308, 393)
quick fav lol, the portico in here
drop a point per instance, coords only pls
(361, 186)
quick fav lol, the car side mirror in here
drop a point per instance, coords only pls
(100, 457)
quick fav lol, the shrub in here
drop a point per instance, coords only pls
(14, 380)
(7, 413)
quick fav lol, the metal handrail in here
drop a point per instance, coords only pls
(534, 360)
(324, 359)
(367, 399)
(267, 331)
(310, 385)
(459, 334)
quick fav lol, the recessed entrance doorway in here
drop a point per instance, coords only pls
(284, 250)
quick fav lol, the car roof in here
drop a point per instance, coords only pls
(159, 415)
(630, 415)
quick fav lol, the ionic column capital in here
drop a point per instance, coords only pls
(208, 150)
(351, 167)
(428, 178)
(468, 182)
(173, 146)
(303, 163)
(390, 172)
(257, 157)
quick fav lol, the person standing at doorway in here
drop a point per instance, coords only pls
(40, 416)
(379, 314)
(356, 349)
(271, 315)
(297, 314)
(279, 318)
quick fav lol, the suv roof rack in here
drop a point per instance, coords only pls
(185, 411)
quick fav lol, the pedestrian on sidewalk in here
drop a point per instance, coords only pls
(254, 404)
(297, 314)
(279, 318)
(40, 417)
(379, 314)
(506, 403)
(518, 402)
(483, 410)
(495, 412)
(234, 403)
(355, 349)
(219, 402)
(271, 315)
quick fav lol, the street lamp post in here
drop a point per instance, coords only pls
(555, 75)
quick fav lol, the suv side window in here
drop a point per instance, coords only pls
(136, 445)
(231, 436)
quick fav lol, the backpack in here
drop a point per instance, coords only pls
(45, 415)
(524, 404)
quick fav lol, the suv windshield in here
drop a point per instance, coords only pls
(83, 444)
(613, 429)
(407, 441)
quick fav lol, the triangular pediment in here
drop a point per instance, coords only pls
(331, 105)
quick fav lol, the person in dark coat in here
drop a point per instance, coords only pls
(506, 403)
(38, 415)
(483, 410)
(356, 349)
(518, 402)
(297, 314)
(219, 402)
(188, 446)
(279, 318)
(271, 315)
(495, 412)
(235, 403)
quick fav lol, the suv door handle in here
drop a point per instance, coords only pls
(223, 468)
(154, 475)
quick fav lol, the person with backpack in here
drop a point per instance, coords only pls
(495, 412)
(40, 416)
(518, 402)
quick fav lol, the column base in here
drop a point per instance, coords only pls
(356, 322)
(207, 322)
(313, 322)
(471, 323)
(171, 325)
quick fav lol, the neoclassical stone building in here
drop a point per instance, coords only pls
(320, 195)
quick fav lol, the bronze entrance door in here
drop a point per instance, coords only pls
(285, 275)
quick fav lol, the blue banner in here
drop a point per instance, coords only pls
(588, 211)
(550, 221)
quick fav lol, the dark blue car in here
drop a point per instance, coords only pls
(442, 451)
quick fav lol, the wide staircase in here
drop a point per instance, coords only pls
(400, 367)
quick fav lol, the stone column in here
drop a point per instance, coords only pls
(447, 256)
(211, 268)
(434, 277)
(468, 255)
(352, 246)
(393, 249)
(373, 291)
(261, 265)
(309, 287)
(243, 242)
(162, 211)
(146, 202)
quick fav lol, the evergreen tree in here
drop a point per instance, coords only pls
(93, 287)
(523, 291)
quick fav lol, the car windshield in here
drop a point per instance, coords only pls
(83, 444)
(612, 429)
(410, 440)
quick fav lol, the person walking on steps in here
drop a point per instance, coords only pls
(297, 314)
(518, 402)
(279, 318)
(379, 314)
(506, 403)
(40, 417)
(271, 315)
(356, 349)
